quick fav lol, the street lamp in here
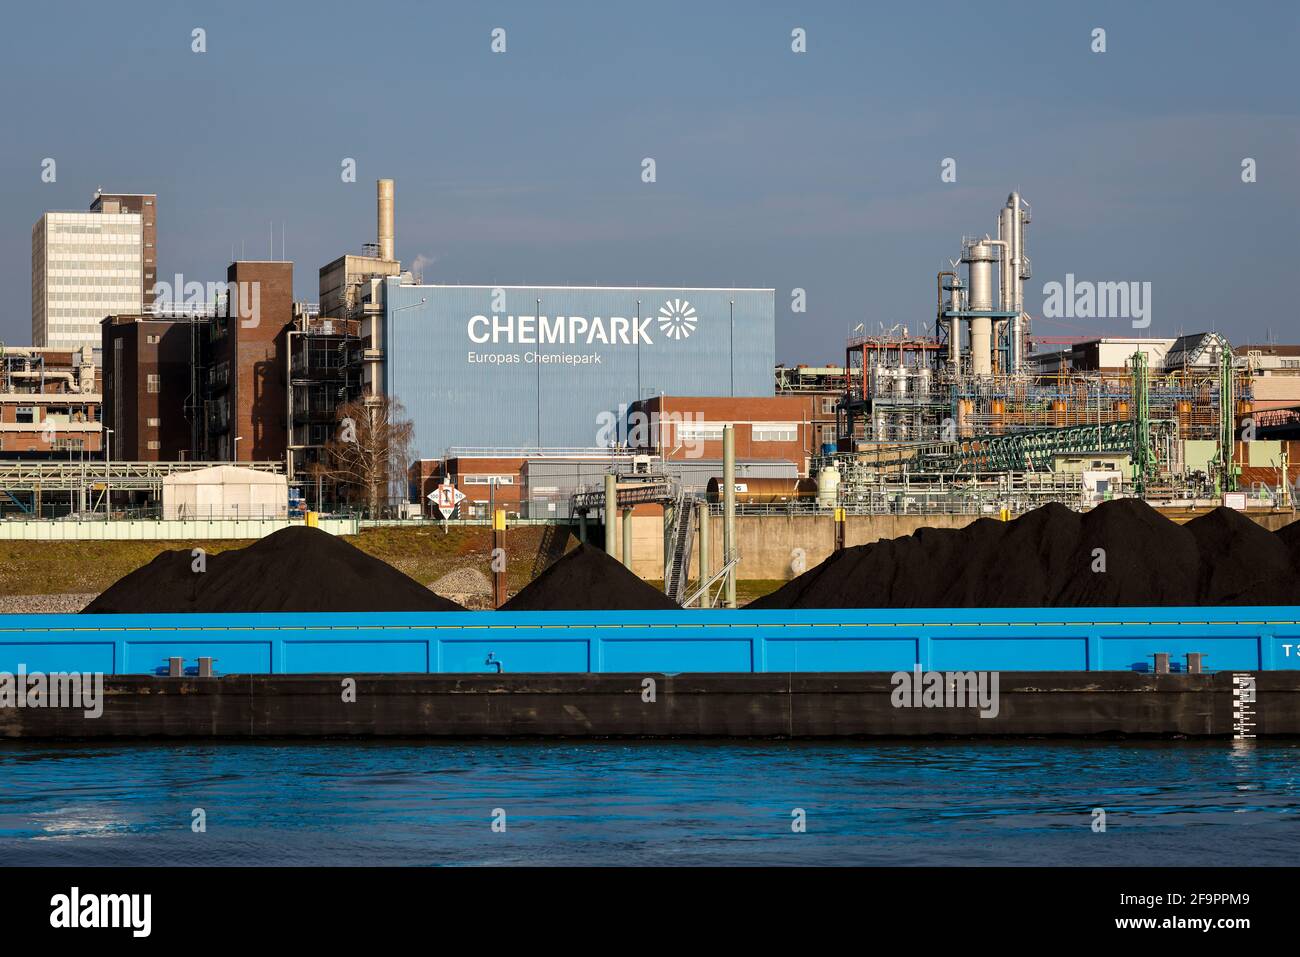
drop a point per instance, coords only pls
(235, 456)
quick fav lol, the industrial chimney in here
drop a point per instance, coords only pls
(386, 219)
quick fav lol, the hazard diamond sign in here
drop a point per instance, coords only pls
(445, 498)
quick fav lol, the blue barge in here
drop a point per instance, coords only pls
(667, 642)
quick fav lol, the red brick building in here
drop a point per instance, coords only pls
(781, 428)
(497, 481)
(147, 378)
(244, 361)
(50, 402)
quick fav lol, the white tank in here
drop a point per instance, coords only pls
(979, 259)
(828, 486)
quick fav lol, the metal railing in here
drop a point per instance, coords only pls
(63, 512)
(122, 476)
(522, 452)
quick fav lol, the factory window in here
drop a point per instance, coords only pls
(776, 432)
(25, 415)
(154, 423)
(1291, 363)
(153, 382)
(828, 404)
(152, 340)
(487, 480)
(155, 445)
(699, 432)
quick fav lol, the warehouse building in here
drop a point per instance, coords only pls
(560, 366)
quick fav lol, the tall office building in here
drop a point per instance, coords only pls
(146, 204)
(86, 266)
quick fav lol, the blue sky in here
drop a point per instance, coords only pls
(817, 170)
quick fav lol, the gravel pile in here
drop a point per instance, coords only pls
(463, 581)
(44, 604)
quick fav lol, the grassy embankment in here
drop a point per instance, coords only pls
(425, 553)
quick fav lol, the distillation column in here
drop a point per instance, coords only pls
(979, 257)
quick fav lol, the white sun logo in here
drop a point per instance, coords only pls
(677, 319)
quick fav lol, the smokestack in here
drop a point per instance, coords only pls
(386, 219)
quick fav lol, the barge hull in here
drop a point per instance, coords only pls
(789, 705)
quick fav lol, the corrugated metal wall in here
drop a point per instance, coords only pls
(455, 401)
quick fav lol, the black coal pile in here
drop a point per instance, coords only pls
(587, 579)
(1290, 536)
(1121, 553)
(294, 569)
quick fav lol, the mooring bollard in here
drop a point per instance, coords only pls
(1162, 662)
(1195, 662)
(205, 668)
(175, 667)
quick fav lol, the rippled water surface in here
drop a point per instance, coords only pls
(649, 803)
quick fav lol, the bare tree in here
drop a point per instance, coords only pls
(370, 451)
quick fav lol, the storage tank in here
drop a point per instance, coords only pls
(765, 491)
(828, 486)
(965, 409)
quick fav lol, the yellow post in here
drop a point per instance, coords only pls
(313, 519)
(498, 558)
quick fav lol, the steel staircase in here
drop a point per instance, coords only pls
(679, 547)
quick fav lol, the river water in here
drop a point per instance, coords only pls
(651, 803)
